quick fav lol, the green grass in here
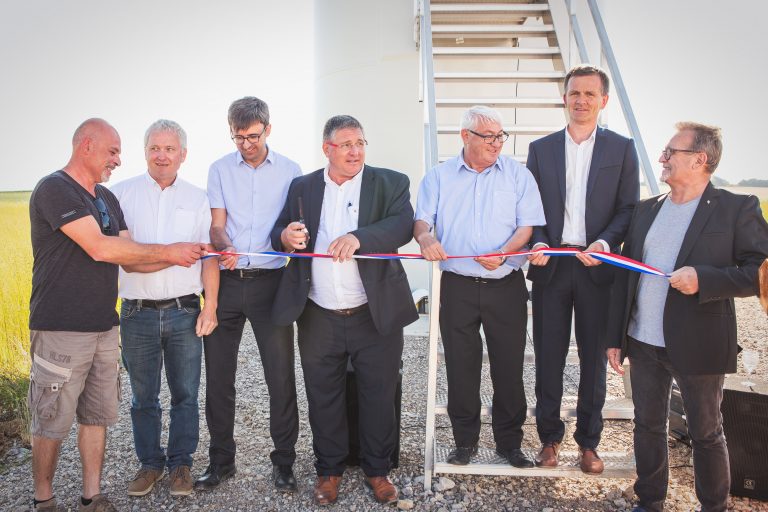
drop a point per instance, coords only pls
(15, 289)
(764, 207)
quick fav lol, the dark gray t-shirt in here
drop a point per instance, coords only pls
(660, 250)
(70, 290)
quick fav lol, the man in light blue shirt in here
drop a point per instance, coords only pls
(247, 190)
(481, 202)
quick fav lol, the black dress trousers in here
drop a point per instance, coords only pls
(500, 306)
(251, 298)
(327, 340)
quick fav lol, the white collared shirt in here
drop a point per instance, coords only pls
(578, 158)
(337, 285)
(178, 213)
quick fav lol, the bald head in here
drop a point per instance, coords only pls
(91, 129)
(95, 151)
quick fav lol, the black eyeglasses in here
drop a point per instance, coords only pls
(490, 139)
(253, 138)
(668, 152)
(104, 213)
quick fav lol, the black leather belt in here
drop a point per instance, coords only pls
(186, 301)
(341, 312)
(571, 246)
(246, 273)
(485, 280)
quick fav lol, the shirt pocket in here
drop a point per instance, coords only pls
(46, 382)
(505, 206)
(184, 226)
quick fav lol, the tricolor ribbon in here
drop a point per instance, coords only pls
(606, 257)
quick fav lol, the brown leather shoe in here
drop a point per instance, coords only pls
(326, 489)
(590, 462)
(548, 455)
(383, 490)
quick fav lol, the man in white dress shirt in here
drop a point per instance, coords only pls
(347, 309)
(588, 180)
(161, 320)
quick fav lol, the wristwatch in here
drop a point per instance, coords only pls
(503, 258)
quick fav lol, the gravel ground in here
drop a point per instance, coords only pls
(251, 488)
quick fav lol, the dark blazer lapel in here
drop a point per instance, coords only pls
(597, 155)
(644, 223)
(707, 205)
(559, 154)
(366, 197)
(313, 206)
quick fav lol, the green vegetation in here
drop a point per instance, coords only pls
(764, 207)
(15, 289)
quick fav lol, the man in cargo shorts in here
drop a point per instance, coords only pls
(79, 236)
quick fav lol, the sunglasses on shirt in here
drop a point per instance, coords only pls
(103, 213)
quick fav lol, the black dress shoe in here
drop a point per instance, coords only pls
(284, 479)
(214, 475)
(517, 458)
(460, 456)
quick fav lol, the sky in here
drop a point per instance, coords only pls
(132, 62)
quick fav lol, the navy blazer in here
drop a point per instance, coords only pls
(385, 223)
(613, 188)
(726, 243)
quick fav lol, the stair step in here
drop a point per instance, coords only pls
(512, 130)
(487, 462)
(501, 102)
(519, 9)
(614, 409)
(486, 51)
(491, 30)
(511, 76)
(487, 13)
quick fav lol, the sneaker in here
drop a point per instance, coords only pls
(99, 503)
(181, 481)
(144, 481)
(48, 506)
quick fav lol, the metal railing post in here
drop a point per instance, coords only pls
(621, 91)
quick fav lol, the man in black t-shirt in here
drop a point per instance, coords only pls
(79, 237)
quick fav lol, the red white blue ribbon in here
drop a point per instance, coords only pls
(605, 257)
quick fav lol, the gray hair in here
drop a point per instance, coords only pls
(340, 122)
(246, 112)
(707, 139)
(165, 125)
(589, 70)
(477, 114)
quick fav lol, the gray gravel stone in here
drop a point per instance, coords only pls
(251, 488)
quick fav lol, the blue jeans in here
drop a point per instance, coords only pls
(149, 338)
(651, 375)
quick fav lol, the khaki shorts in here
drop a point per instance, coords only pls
(73, 373)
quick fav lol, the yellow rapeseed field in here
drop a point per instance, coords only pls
(15, 289)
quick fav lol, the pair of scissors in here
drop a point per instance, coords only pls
(301, 220)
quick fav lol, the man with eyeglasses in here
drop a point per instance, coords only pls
(247, 190)
(711, 243)
(79, 237)
(348, 309)
(481, 202)
(161, 321)
(589, 182)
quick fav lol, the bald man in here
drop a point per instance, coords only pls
(79, 237)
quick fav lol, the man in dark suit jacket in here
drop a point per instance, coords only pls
(347, 308)
(589, 183)
(712, 243)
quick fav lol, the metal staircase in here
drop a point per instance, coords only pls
(504, 54)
